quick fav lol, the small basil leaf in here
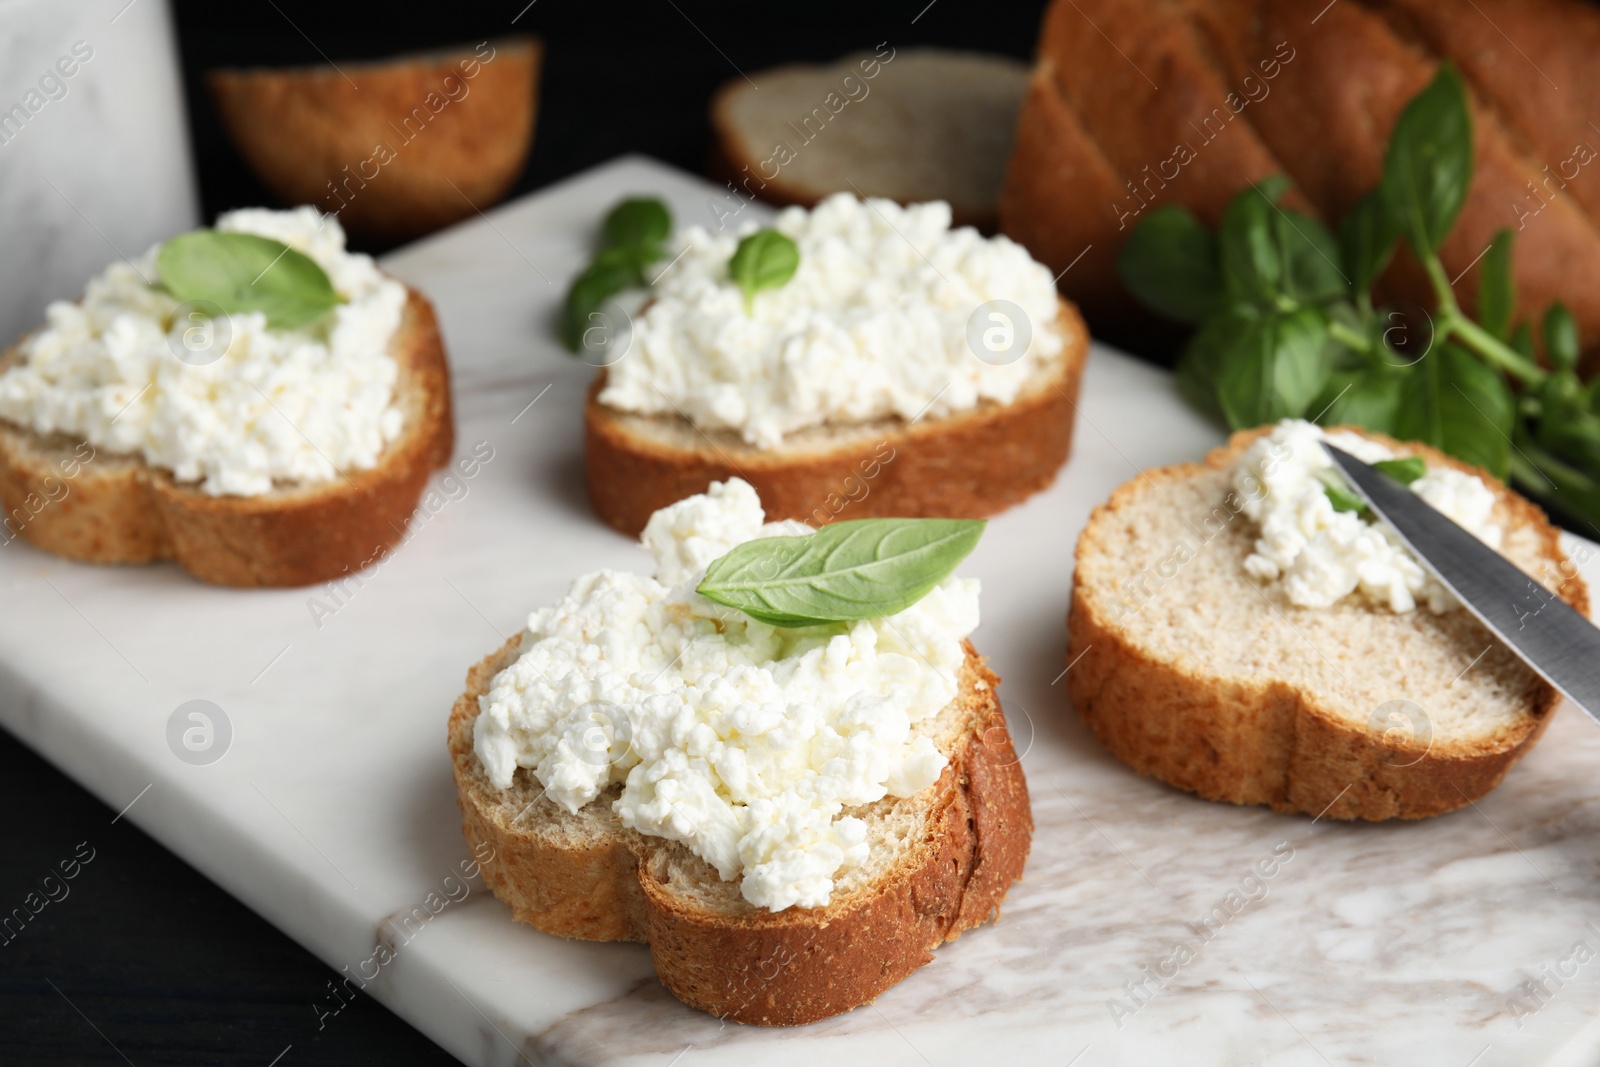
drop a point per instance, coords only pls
(641, 221)
(1368, 398)
(1460, 405)
(599, 282)
(1560, 337)
(1275, 368)
(1252, 264)
(1522, 340)
(860, 569)
(1497, 296)
(1366, 241)
(1405, 471)
(1428, 165)
(1170, 262)
(1200, 366)
(765, 259)
(241, 272)
(1339, 494)
(1310, 258)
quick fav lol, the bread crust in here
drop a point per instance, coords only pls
(969, 465)
(754, 965)
(1267, 742)
(312, 134)
(116, 509)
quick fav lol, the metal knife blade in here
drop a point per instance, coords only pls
(1559, 644)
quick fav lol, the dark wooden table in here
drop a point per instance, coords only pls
(145, 961)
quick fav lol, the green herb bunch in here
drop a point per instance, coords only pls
(631, 240)
(1287, 326)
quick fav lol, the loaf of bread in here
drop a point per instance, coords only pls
(1136, 104)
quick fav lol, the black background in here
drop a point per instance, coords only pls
(146, 961)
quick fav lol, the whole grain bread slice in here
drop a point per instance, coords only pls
(941, 861)
(1191, 672)
(65, 497)
(928, 124)
(968, 465)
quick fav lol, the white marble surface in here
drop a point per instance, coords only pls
(332, 813)
(94, 149)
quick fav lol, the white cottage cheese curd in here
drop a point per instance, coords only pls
(280, 406)
(741, 740)
(1321, 555)
(873, 324)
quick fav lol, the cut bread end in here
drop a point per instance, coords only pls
(66, 497)
(969, 465)
(1193, 673)
(941, 861)
(929, 124)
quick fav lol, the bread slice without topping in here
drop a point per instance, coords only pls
(940, 863)
(971, 464)
(118, 509)
(931, 124)
(1193, 673)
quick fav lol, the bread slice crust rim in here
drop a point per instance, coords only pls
(748, 964)
(1165, 718)
(117, 509)
(969, 465)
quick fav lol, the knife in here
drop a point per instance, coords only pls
(1560, 645)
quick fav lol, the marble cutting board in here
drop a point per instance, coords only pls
(331, 811)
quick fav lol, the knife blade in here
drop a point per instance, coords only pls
(1560, 645)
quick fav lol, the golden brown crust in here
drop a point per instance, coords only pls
(116, 509)
(969, 465)
(1265, 742)
(454, 143)
(756, 966)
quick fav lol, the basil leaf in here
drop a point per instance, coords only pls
(1522, 340)
(1309, 257)
(1428, 165)
(1338, 491)
(1366, 241)
(860, 569)
(765, 259)
(241, 272)
(1251, 261)
(1458, 404)
(1405, 471)
(1274, 368)
(1200, 365)
(1560, 337)
(637, 222)
(1368, 398)
(600, 281)
(1170, 263)
(1497, 296)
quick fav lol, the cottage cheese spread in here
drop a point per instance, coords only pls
(873, 324)
(1322, 555)
(281, 406)
(741, 740)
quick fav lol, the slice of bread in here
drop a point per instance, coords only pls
(67, 498)
(396, 148)
(931, 124)
(1193, 673)
(940, 863)
(968, 465)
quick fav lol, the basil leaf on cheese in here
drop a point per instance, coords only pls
(240, 272)
(861, 569)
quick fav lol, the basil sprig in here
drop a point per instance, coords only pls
(860, 569)
(1287, 326)
(1343, 498)
(240, 272)
(765, 259)
(631, 239)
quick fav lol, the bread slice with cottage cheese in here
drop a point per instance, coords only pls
(940, 863)
(967, 465)
(65, 497)
(1192, 672)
